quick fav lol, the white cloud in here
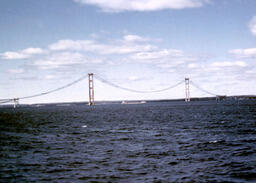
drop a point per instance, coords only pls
(16, 71)
(99, 48)
(65, 59)
(13, 55)
(134, 38)
(193, 66)
(160, 54)
(243, 53)
(252, 26)
(133, 78)
(49, 77)
(137, 78)
(73, 45)
(22, 54)
(60, 59)
(229, 64)
(251, 72)
(142, 5)
(32, 51)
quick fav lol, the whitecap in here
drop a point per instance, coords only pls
(214, 141)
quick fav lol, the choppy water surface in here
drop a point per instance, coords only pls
(153, 142)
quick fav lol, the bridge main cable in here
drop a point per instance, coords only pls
(136, 91)
(57, 89)
(45, 93)
(198, 87)
(3, 101)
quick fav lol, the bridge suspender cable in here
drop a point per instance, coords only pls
(136, 91)
(45, 93)
(198, 87)
(57, 89)
(2, 101)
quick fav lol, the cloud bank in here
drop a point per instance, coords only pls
(22, 54)
(243, 53)
(132, 53)
(100, 48)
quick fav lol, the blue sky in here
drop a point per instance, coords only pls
(142, 45)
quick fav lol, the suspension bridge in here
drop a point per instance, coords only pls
(91, 87)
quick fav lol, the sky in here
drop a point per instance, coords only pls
(142, 45)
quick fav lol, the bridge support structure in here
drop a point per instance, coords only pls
(187, 99)
(91, 89)
(15, 102)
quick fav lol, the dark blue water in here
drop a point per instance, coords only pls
(152, 142)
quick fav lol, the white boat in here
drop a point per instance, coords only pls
(139, 102)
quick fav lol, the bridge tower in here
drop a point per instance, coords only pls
(91, 89)
(15, 102)
(187, 99)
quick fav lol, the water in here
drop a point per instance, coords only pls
(152, 142)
